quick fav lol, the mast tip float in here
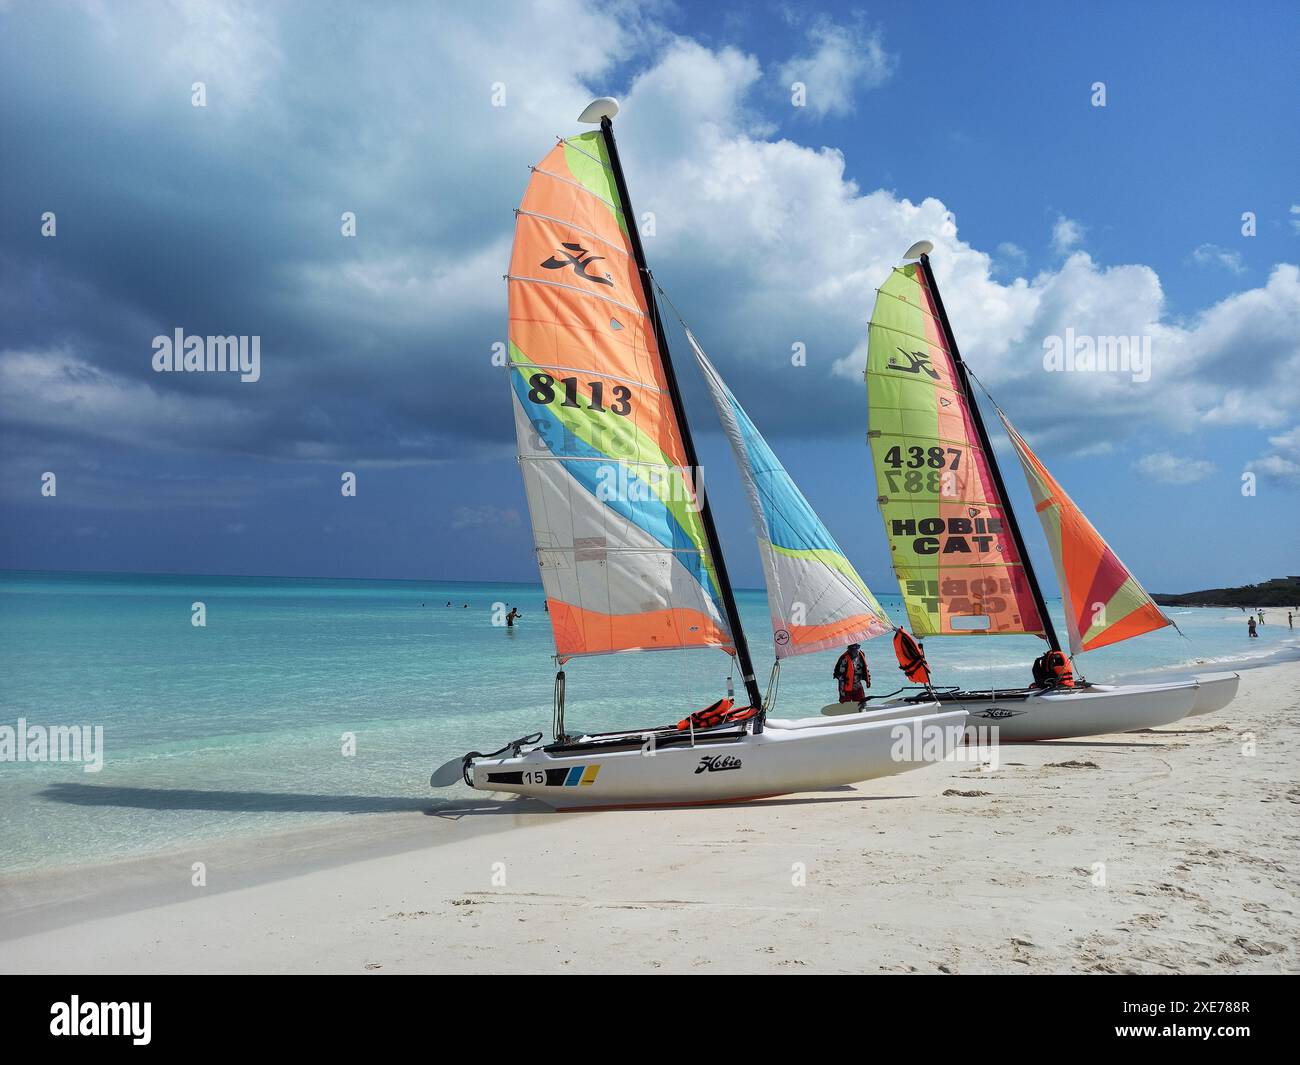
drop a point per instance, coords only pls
(604, 107)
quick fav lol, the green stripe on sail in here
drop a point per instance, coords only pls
(625, 443)
(595, 174)
(1128, 597)
(901, 410)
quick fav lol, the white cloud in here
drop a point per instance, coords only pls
(53, 389)
(1173, 469)
(842, 60)
(772, 242)
(1067, 234)
(1010, 257)
(1295, 217)
(763, 242)
(1213, 255)
(1282, 464)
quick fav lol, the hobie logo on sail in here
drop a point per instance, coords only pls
(579, 258)
(914, 362)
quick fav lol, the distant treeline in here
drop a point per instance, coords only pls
(1280, 591)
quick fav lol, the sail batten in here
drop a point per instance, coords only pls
(1104, 603)
(617, 526)
(949, 528)
(816, 598)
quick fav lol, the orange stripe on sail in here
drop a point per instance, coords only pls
(847, 630)
(589, 632)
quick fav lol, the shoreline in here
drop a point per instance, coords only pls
(948, 869)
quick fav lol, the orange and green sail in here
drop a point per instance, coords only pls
(616, 521)
(950, 539)
(1103, 601)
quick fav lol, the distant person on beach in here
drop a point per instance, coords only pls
(852, 674)
(1290, 623)
(1250, 627)
(510, 618)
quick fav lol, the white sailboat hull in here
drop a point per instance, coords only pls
(1214, 692)
(786, 757)
(1095, 710)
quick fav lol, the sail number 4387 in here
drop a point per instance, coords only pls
(917, 457)
(923, 470)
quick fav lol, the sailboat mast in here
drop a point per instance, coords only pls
(1049, 630)
(743, 661)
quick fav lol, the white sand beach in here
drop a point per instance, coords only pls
(950, 869)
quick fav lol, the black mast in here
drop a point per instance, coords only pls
(674, 392)
(1048, 628)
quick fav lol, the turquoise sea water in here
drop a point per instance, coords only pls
(237, 728)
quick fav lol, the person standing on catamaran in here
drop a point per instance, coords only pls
(852, 674)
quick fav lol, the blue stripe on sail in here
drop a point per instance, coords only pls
(791, 522)
(650, 514)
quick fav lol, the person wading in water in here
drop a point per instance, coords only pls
(853, 676)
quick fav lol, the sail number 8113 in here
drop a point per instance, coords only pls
(542, 390)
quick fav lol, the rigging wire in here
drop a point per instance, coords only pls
(773, 685)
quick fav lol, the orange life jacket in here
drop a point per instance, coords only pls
(911, 659)
(1053, 670)
(716, 714)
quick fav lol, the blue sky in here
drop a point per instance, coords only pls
(773, 225)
